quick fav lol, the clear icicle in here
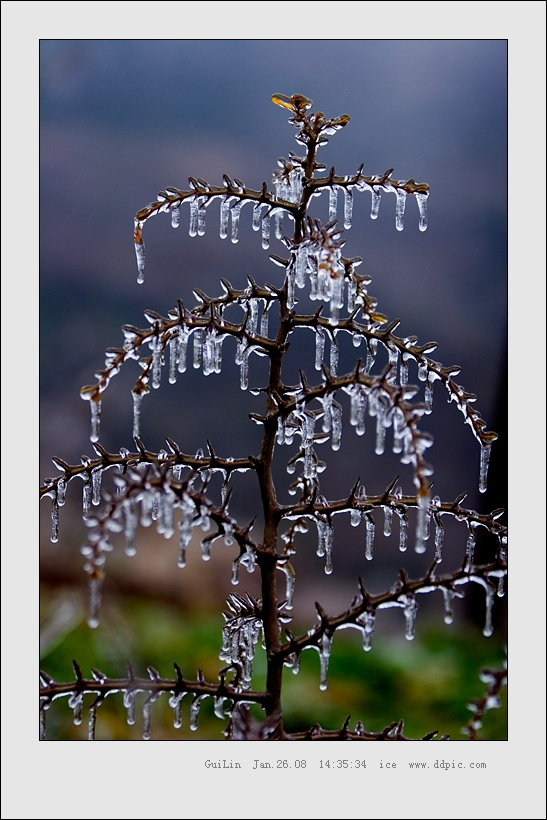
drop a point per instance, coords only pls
(266, 231)
(75, 702)
(193, 229)
(61, 492)
(156, 362)
(336, 416)
(256, 216)
(388, 518)
(367, 621)
(410, 610)
(319, 347)
(146, 716)
(448, 595)
(370, 530)
(439, 539)
(380, 429)
(421, 199)
(129, 698)
(422, 524)
(86, 497)
(334, 355)
(139, 252)
(264, 321)
(400, 208)
(54, 537)
(485, 459)
(198, 347)
(95, 406)
(324, 657)
(403, 529)
(471, 543)
(175, 217)
(236, 210)
(95, 590)
(96, 480)
(348, 207)
(375, 204)
(333, 202)
(137, 402)
(224, 217)
(175, 702)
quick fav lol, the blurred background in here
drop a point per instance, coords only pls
(123, 119)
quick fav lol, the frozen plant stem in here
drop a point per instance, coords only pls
(173, 491)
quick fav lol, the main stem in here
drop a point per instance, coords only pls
(267, 560)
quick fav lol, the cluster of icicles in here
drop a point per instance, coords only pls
(288, 189)
(130, 695)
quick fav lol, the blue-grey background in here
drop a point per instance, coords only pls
(122, 119)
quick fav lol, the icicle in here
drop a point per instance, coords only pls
(130, 526)
(422, 370)
(174, 356)
(380, 428)
(471, 543)
(398, 424)
(324, 657)
(410, 610)
(403, 370)
(202, 204)
(334, 353)
(198, 347)
(137, 401)
(428, 393)
(336, 435)
(236, 210)
(256, 216)
(175, 217)
(92, 722)
(375, 204)
(448, 595)
(439, 539)
(95, 589)
(264, 321)
(388, 518)
(206, 550)
(224, 216)
(139, 252)
(489, 603)
(61, 491)
(370, 529)
(403, 528)
(175, 702)
(219, 707)
(96, 476)
(367, 620)
(129, 698)
(193, 229)
(319, 347)
(146, 715)
(280, 430)
(54, 537)
(95, 405)
(400, 208)
(422, 523)
(183, 342)
(348, 207)
(86, 497)
(156, 361)
(266, 231)
(333, 202)
(290, 579)
(421, 199)
(75, 702)
(485, 459)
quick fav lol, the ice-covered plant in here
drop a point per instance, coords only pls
(387, 393)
